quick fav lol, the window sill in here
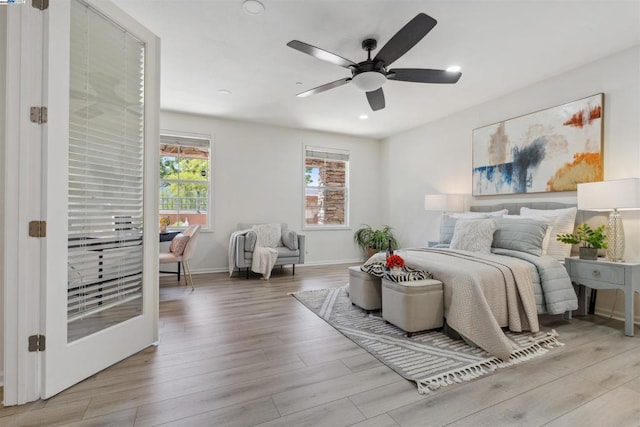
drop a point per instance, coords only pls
(326, 228)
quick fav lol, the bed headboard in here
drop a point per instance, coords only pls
(590, 217)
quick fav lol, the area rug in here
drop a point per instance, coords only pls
(430, 359)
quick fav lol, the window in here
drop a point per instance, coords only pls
(326, 174)
(185, 180)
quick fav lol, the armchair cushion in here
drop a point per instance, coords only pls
(178, 243)
(290, 239)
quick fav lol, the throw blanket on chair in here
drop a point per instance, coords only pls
(264, 252)
(232, 248)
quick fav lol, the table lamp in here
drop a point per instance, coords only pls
(444, 202)
(614, 195)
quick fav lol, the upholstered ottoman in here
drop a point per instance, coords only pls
(364, 289)
(414, 305)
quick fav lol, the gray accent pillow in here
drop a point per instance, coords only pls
(290, 239)
(250, 239)
(520, 234)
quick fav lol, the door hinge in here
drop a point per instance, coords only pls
(38, 115)
(37, 343)
(40, 4)
(37, 228)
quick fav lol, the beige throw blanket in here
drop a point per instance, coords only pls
(264, 254)
(482, 294)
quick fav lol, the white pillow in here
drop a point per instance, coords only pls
(563, 221)
(480, 214)
(269, 235)
(474, 235)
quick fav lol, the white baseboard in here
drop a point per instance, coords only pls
(310, 264)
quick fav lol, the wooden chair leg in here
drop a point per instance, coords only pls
(187, 275)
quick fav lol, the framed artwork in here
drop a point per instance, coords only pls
(549, 150)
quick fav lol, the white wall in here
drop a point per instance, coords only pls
(437, 156)
(3, 59)
(258, 177)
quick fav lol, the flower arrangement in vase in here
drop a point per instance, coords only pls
(164, 222)
(395, 263)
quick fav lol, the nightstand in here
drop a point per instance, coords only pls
(608, 275)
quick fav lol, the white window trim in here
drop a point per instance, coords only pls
(328, 227)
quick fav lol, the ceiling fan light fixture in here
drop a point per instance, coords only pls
(453, 68)
(369, 81)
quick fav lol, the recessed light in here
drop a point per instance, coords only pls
(363, 117)
(453, 68)
(253, 7)
(224, 91)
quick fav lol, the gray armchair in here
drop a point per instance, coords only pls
(291, 251)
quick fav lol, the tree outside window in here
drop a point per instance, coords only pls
(184, 181)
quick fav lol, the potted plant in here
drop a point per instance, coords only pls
(372, 240)
(590, 240)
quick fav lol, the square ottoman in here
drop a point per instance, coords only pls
(413, 306)
(364, 289)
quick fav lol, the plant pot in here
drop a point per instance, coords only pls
(588, 253)
(371, 252)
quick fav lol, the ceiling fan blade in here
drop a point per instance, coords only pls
(324, 87)
(406, 38)
(321, 54)
(376, 99)
(421, 75)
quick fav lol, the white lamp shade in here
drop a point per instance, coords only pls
(609, 195)
(444, 202)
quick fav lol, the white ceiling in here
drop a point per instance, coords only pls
(500, 45)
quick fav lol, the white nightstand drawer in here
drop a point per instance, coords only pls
(608, 273)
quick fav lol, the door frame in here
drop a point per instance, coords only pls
(22, 178)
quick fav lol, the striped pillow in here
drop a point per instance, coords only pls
(563, 221)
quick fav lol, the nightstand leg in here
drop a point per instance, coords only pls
(628, 311)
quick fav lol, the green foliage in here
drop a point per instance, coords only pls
(185, 169)
(367, 237)
(307, 175)
(586, 237)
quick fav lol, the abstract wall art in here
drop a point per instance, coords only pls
(549, 150)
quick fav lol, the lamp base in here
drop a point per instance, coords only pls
(615, 237)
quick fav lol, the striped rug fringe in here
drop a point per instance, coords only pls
(540, 345)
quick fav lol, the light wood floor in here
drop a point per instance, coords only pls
(242, 352)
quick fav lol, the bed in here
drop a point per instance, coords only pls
(506, 283)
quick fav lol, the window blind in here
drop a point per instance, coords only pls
(105, 170)
(325, 153)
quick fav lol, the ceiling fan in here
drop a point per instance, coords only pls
(371, 74)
